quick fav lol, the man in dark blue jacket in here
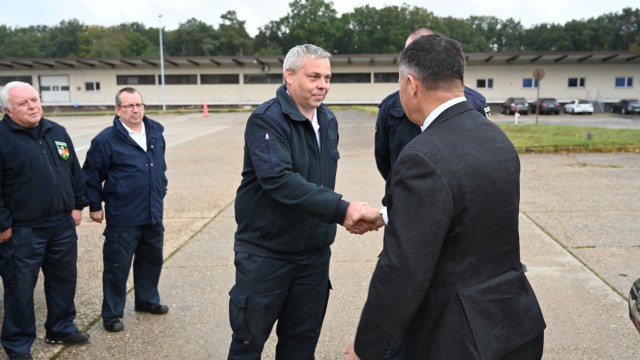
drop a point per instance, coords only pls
(41, 202)
(125, 168)
(286, 210)
(394, 130)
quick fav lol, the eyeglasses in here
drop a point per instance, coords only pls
(131, 106)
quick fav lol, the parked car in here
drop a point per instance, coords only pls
(578, 107)
(515, 104)
(547, 106)
(626, 106)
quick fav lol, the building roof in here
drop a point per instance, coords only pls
(266, 62)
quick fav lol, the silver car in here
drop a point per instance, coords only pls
(579, 107)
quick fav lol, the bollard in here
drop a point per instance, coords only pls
(516, 115)
(589, 135)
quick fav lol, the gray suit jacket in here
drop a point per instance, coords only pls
(449, 281)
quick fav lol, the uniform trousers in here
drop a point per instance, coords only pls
(295, 294)
(54, 249)
(122, 245)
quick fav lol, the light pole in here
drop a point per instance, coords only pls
(164, 99)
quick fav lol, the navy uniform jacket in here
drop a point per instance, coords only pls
(285, 205)
(40, 177)
(394, 130)
(131, 182)
(451, 254)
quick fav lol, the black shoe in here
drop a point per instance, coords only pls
(157, 309)
(77, 338)
(112, 324)
(22, 357)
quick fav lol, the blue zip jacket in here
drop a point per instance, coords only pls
(285, 205)
(131, 182)
(394, 130)
(40, 176)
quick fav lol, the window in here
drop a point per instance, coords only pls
(484, 83)
(220, 79)
(385, 77)
(4, 80)
(529, 83)
(576, 82)
(183, 79)
(263, 79)
(92, 86)
(135, 80)
(351, 78)
(624, 82)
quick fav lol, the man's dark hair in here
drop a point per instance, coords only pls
(435, 60)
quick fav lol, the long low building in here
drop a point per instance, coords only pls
(602, 77)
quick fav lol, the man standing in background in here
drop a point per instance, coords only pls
(125, 168)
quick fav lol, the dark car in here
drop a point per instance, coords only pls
(547, 106)
(515, 104)
(626, 106)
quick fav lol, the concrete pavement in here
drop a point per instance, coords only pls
(580, 235)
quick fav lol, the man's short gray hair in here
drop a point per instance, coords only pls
(294, 59)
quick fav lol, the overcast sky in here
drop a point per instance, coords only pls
(258, 13)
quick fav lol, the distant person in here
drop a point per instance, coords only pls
(634, 306)
(125, 168)
(41, 202)
(449, 281)
(286, 210)
(394, 130)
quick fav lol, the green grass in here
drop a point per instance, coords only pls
(537, 138)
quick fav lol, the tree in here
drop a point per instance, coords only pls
(232, 36)
(67, 40)
(192, 38)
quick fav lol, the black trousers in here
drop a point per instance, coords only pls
(269, 290)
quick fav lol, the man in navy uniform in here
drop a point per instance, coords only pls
(393, 128)
(41, 202)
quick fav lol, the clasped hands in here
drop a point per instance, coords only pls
(361, 218)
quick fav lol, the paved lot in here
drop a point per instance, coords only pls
(580, 240)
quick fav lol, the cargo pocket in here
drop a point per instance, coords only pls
(237, 316)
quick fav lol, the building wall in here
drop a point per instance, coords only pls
(507, 81)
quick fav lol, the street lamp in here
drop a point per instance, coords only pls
(164, 100)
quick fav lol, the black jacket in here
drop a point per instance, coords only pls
(285, 206)
(40, 177)
(394, 130)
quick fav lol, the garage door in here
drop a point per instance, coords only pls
(54, 89)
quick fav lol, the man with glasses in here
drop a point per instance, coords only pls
(125, 168)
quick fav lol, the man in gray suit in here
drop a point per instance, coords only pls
(449, 281)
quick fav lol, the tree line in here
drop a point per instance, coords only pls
(365, 30)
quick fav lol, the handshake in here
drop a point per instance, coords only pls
(361, 218)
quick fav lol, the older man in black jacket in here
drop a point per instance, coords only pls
(41, 202)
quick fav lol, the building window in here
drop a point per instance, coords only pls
(350, 78)
(220, 79)
(484, 83)
(4, 80)
(183, 79)
(391, 77)
(263, 79)
(135, 80)
(624, 82)
(92, 86)
(576, 82)
(529, 83)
